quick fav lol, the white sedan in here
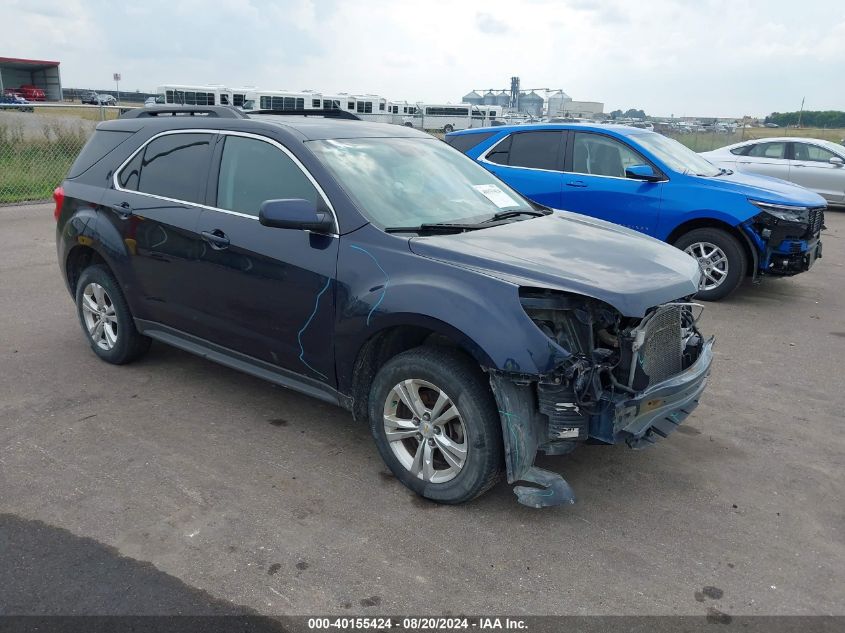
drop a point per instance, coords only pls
(812, 163)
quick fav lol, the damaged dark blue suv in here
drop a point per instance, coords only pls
(377, 268)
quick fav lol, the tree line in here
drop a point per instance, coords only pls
(631, 113)
(809, 118)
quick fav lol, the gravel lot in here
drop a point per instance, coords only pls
(227, 490)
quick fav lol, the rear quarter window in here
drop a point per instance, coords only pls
(173, 166)
(102, 143)
(465, 142)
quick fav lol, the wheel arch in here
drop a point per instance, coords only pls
(79, 258)
(713, 223)
(397, 336)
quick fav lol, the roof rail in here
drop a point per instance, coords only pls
(221, 112)
(326, 113)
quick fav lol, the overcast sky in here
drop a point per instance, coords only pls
(681, 57)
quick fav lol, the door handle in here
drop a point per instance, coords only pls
(123, 210)
(216, 238)
(576, 183)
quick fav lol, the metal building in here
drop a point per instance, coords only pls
(473, 97)
(16, 72)
(586, 109)
(531, 103)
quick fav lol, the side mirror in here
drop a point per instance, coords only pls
(642, 172)
(295, 213)
(835, 160)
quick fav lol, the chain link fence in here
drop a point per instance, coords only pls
(38, 147)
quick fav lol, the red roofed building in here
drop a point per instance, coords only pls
(16, 72)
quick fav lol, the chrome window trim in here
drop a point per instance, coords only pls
(212, 132)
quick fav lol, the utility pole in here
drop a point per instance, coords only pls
(801, 112)
(117, 86)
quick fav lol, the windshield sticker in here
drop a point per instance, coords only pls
(496, 196)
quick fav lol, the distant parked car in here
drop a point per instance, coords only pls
(15, 102)
(89, 97)
(94, 98)
(812, 163)
(32, 93)
(734, 224)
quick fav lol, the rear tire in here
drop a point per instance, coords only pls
(448, 128)
(447, 446)
(105, 318)
(721, 258)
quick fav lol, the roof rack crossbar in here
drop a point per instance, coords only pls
(221, 112)
(326, 113)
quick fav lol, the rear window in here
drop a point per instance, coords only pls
(98, 146)
(465, 142)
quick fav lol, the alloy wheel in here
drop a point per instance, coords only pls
(99, 315)
(425, 431)
(713, 264)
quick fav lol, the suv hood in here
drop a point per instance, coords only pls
(766, 189)
(573, 253)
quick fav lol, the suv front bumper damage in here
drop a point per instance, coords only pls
(636, 419)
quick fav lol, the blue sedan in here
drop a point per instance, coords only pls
(734, 224)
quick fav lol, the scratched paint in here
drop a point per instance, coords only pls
(386, 280)
(305, 327)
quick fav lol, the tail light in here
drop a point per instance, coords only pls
(59, 197)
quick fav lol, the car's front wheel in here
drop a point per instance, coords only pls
(436, 424)
(721, 259)
(105, 317)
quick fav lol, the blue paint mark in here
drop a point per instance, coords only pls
(386, 280)
(307, 323)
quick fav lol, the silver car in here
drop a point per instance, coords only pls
(812, 163)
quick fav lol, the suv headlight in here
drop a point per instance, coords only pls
(785, 212)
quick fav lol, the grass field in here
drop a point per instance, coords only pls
(30, 168)
(88, 114)
(704, 142)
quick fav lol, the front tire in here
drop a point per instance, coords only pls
(721, 258)
(448, 128)
(436, 425)
(105, 318)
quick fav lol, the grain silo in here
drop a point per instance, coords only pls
(472, 97)
(531, 104)
(489, 98)
(556, 105)
(502, 99)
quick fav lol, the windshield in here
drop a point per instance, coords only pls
(404, 182)
(676, 156)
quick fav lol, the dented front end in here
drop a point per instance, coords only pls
(618, 379)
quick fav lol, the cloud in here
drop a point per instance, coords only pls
(703, 58)
(486, 23)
